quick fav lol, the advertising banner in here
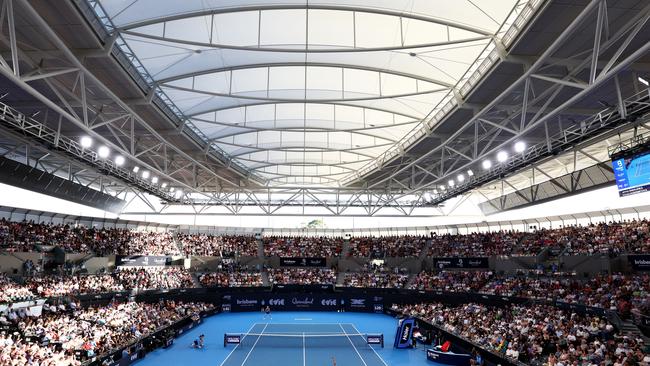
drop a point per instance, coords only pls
(282, 302)
(466, 262)
(303, 262)
(404, 333)
(640, 262)
(143, 260)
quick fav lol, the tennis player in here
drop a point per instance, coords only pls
(333, 361)
(267, 312)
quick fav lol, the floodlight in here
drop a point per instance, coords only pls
(103, 152)
(119, 160)
(486, 164)
(86, 142)
(520, 146)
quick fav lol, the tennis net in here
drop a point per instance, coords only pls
(309, 340)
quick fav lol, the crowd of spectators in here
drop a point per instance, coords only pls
(123, 279)
(232, 275)
(387, 246)
(626, 294)
(535, 334)
(63, 285)
(377, 275)
(28, 236)
(375, 279)
(154, 278)
(92, 331)
(302, 276)
(218, 246)
(11, 291)
(611, 238)
(604, 238)
(302, 246)
(450, 281)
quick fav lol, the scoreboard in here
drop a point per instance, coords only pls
(632, 173)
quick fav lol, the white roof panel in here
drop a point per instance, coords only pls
(309, 92)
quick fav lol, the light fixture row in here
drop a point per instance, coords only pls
(103, 152)
(501, 157)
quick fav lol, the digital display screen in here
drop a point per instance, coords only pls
(632, 173)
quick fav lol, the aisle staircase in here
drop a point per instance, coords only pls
(628, 327)
(345, 249)
(426, 248)
(265, 279)
(177, 242)
(260, 248)
(411, 279)
(340, 278)
(195, 280)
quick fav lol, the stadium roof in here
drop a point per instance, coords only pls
(384, 107)
(312, 92)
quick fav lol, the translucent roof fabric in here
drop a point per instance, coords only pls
(307, 93)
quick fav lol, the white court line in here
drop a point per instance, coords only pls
(303, 319)
(233, 350)
(380, 359)
(353, 346)
(254, 344)
(305, 323)
(304, 351)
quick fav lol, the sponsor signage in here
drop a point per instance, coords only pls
(378, 308)
(303, 262)
(285, 302)
(303, 302)
(247, 302)
(639, 262)
(375, 339)
(231, 339)
(465, 262)
(404, 332)
(276, 302)
(448, 358)
(358, 303)
(143, 260)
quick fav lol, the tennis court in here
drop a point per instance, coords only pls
(273, 352)
(303, 344)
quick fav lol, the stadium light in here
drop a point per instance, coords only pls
(172, 189)
(442, 188)
(154, 180)
(520, 146)
(451, 183)
(86, 142)
(119, 160)
(470, 173)
(103, 152)
(486, 164)
(145, 174)
(179, 193)
(164, 185)
(460, 178)
(643, 81)
(136, 169)
(502, 156)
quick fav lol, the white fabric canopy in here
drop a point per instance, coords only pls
(309, 94)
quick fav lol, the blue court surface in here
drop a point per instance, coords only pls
(290, 339)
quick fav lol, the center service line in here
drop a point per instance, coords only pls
(254, 344)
